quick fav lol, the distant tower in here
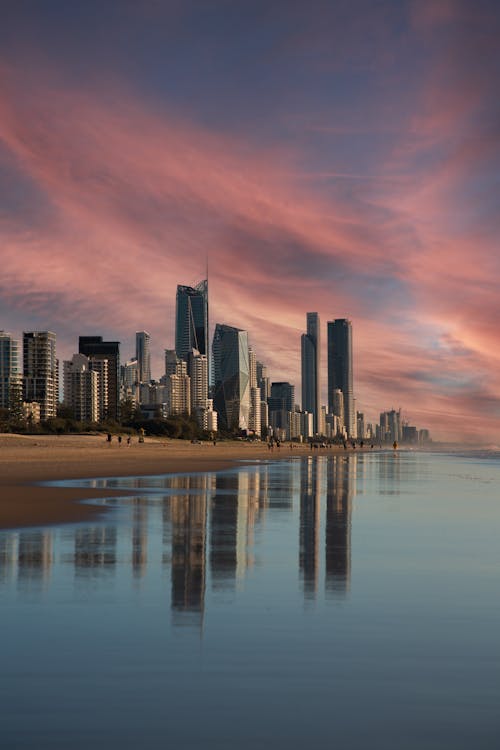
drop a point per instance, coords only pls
(310, 342)
(41, 371)
(231, 377)
(143, 355)
(191, 319)
(340, 373)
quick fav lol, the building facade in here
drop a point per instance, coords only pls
(10, 376)
(97, 350)
(340, 370)
(81, 389)
(41, 371)
(143, 356)
(231, 377)
(310, 360)
(191, 319)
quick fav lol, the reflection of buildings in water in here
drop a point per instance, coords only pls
(224, 531)
(285, 484)
(95, 549)
(310, 503)
(189, 522)
(139, 536)
(339, 494)
(389, 473)
(34, 556)
(184, 485)
(250, 512)
(237, 508)
(184, 534)
(8, 555)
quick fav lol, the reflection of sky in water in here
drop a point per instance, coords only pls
(262, 605)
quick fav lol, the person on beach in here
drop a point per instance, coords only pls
(109, 437)
(129, 440)
(119, 439)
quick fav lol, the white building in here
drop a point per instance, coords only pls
(198, 372)
(41, 371)
(81, 389)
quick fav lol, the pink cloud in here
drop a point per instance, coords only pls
(133, 200)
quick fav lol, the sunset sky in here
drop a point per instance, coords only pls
(338, 157)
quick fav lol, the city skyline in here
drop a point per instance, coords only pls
(347, 163)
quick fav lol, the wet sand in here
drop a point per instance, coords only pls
(28, 459)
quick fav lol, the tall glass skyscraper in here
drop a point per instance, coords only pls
(231, 377)
(339, 334)
(191, 319)
(310, 357)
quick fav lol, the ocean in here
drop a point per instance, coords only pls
(343, 600)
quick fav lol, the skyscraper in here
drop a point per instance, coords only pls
(191, 319)
(231, 377)
(81, 388)
(96, 349)
(281, 403)
(310, 350)
(10, 378)
(143, 355)
(41, 371)
(339, 332)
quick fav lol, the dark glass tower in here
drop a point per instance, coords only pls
(310, 358)
(339, 334)
(191, 319)
(231, 377)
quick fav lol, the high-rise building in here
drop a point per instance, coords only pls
(338, 406)
(198, 367)
(81, 389)
(143, 356)
(179, 393)
(263, 382)
(41, 371)
(191, 319)
(231, 377)
(281, 402)
(340, 373)
(171, 361)
(10, 377)
(254, 420)
(310, 351)
(130, 378)
(96, 349)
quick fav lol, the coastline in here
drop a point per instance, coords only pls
(26, 460)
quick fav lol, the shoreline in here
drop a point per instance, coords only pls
(26, 460)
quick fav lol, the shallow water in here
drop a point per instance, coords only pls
(349, 601)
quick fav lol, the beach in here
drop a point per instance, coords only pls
(26, 460)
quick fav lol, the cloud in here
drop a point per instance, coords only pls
(119, 200)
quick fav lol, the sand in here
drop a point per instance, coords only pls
(28, 459)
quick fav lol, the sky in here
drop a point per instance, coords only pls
(338, 157)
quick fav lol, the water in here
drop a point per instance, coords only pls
(349, 601)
